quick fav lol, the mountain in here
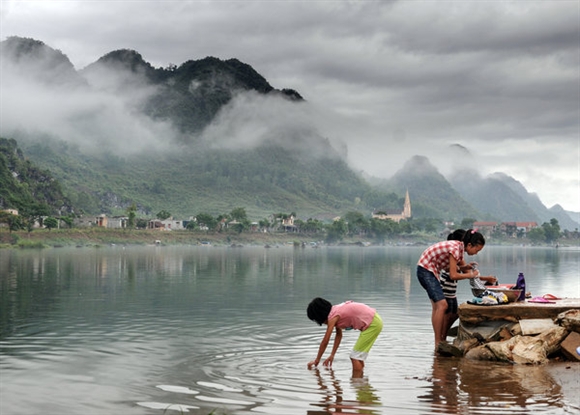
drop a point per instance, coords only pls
(208, 136)
(25, 187)
(493, 195)
(566, 220)
(190, 95)
(533, 201)
(432, 195)
(265, 180)
(506, 199)
(34, 59)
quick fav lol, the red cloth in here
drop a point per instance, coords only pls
(436, 257)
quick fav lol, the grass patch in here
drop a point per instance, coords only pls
(24, 244)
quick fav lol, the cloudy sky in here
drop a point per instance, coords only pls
(390, 79)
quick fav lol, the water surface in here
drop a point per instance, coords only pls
(161, 330)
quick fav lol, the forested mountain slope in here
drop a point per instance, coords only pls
(207, 135)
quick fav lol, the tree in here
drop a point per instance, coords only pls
(336, 231)
(33, 213)
(239, 227)
(551, 230)
(162, 215)
(264, 223)
(357, 223)
(239, 214)
(467, 223)
(141, 223)
(131, 214)
(207, 220)
(14, 222)
(536, 235)
(50, 223)
(381, 228)
(312, 226)
(68, 220)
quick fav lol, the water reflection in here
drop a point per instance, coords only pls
(148, 330)
(466, 386)
(334, 399)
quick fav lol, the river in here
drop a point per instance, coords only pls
(203, 329)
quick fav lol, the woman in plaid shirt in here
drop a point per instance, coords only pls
(446, 256)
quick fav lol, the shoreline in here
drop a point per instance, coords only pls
(79, 237)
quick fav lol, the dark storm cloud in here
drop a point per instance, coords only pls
(500, 79)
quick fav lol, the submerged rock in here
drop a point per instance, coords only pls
(571, 347)
(522, 349)
(570, 320)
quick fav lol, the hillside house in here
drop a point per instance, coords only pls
(517, 229)
(82, 222)
(169, 224)
(509, 229)
(102, 221)
(485, 228)
(288, 224)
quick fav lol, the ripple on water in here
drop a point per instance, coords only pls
(255, 373)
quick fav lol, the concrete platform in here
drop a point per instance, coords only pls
(521, 310)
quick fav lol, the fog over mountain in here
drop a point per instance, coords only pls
(122, 105)
(386, 78)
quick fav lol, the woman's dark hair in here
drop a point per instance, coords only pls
(456, 235)
(473, 237)
(318, 310)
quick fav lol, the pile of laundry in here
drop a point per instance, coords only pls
(488, 297)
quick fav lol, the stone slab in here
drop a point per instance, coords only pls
(536, 325)
(475, 314)
(485, 331)
(570, 346)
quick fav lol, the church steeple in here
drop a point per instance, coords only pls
(407, 206)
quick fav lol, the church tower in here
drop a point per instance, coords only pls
(407, 206)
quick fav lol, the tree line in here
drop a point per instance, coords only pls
(352, 224)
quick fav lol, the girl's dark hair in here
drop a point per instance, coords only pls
(456, 235)
(318, 310)
(473, 237)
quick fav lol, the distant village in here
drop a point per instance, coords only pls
(284, 223)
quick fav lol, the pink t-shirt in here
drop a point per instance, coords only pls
(352, 315)
(436, 257)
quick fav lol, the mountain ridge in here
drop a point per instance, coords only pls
(289, 168)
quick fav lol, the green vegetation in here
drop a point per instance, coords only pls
(32, 191)
(548, 233)
(340, 231)
(51, 182)
(263, 180)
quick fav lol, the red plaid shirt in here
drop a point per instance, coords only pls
(436, 257)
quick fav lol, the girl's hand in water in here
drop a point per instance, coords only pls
(312, 364)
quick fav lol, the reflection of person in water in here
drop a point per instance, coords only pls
(444, 390)
(461, 385)
(333, 396)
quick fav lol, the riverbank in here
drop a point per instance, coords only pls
(44, 238)
(102, 236)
